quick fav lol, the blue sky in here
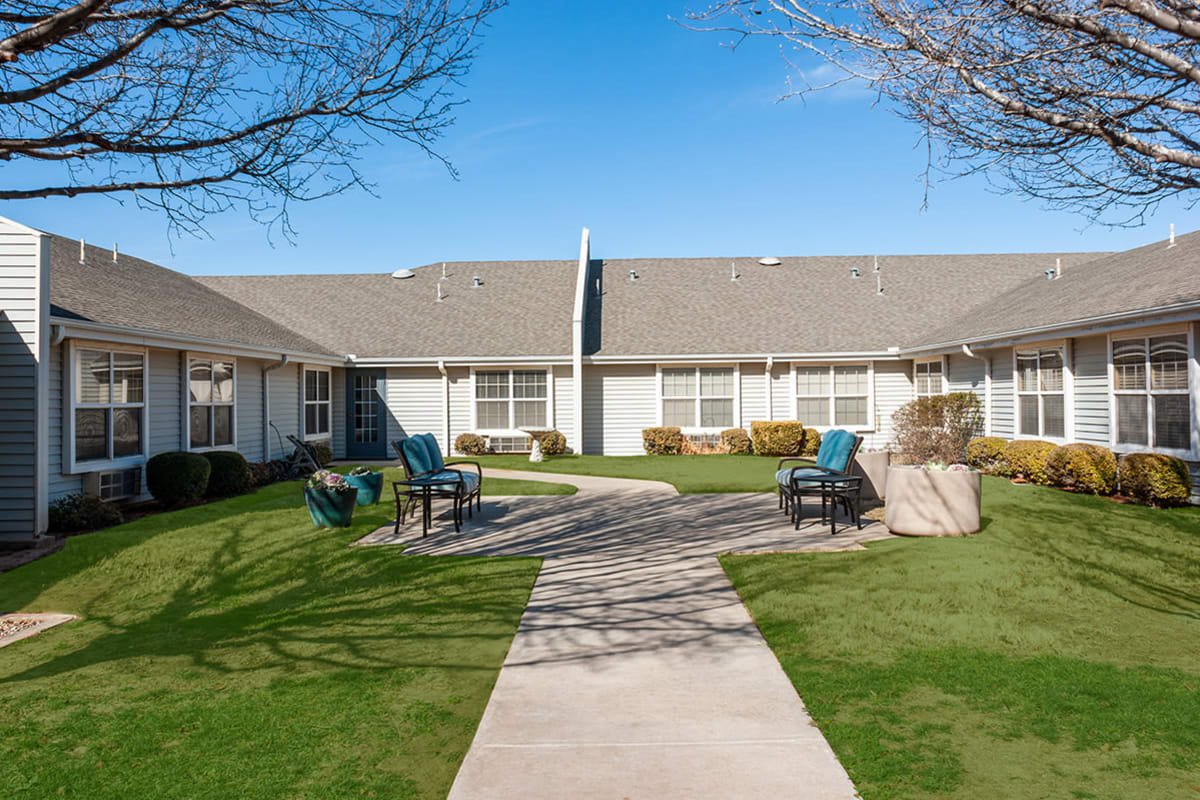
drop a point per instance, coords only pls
(659, 139)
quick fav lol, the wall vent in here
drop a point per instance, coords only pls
(113, 485)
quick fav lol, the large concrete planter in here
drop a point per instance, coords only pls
(873, 467)
(924, 502)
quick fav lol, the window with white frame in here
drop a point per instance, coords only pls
(108, 404)
(317, 403)
(928, 377)
(1150, 387)
(698, 397)
(210, 403)
(510, 400)
(1041, 396)
(837, 395)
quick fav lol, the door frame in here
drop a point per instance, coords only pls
(366, 450)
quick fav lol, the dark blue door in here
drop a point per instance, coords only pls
(366, 426)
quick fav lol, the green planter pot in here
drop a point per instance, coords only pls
(369, 487)
(330, 509)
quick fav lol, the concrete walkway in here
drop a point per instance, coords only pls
(636, 671)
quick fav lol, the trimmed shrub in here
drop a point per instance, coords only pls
(937, 428)
(261, 473)
(554, 444)
(471, 444)
(323, 453)
(987, 454)
(178, 477)
(1083, 468)
(736, 440)
(812, 442)
(1154, 479)
(662, 441)
(783, 438)
(279, 469)
(230, 474)
(1026, 458)
(82, 512)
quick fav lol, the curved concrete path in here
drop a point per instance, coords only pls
(636, 671)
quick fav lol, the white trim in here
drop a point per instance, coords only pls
(548, 369)
(1068, 392)
(1193, 394)
(458, 361)
(698, 429)
(70, 379)
(41, 475)
(186, 393)
(305, 402)
(944, 362)
(729, 358)
(578, 328)
(831, 421)
(770, 388)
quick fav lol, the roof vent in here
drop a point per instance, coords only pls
(403, 273)
(854, 273)
(733, 273)
(633, 276)
(476, 282)
(1050, 275)
(1172, 244)
(770, 261)
(81, 246)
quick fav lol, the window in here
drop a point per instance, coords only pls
(1041, 403)
(210, 403)
(834, 396)
(698, 397)
(1150, 392)
(509, 400)
(928, 377)
(316, 403)
(109, 404)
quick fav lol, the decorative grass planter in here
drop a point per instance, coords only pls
(369, 487)
(928, 502)
(330, 509)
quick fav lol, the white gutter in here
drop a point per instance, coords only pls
(987, 387)
(577, 330)
(665, 358)
(462, 361)
(441, 365)
(266, 390)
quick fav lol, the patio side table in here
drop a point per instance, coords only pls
(835, 486)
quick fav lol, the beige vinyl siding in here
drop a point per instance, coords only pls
(1091, 389)
(783, 391)
(460, 401)
(164, 402)
(754, 393)
(414, 403)
(285, 406)
(248, 398)
(337, 409)
(1002, 392)
(893, 388)
(618, 403)
(20, 318)
(965, 374)
(564, 403)
(60, 483)
(1194, 467)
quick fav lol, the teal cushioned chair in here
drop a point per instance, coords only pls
(421, 459)
(835, 456)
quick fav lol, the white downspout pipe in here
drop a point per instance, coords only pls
(266, 410)
(441, 365)
(987, 387)
(767, 377)
(577, 330)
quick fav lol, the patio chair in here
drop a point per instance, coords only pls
(835, 457)
(426, 474)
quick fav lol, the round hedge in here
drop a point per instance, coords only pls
(471, 444)
(230, 474)
(664, 441)
(1083, 468)
(1026, 458)
(176, 478)
(812, 443)
(736, 441)
(554, 444)
(987, 454)
(1154, 479)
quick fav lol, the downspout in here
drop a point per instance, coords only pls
(987, 387)
(266, 411)
(441, 365)
(57, 334)
(577, 330)
(770, 399)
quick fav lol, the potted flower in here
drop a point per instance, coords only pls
(368, 483)
(932, 499)
(330, 499)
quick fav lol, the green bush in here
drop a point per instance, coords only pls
(471, 444)
(812, 442)
(1154, 479)
(230, 474)
(662, 441)
(987, 454)
(937, 428)
(554, 444)
(1026, 458)
(261, 473)
(82, 512)
(323, 453)
(783, 438)
(736, 441)
(1083, 468)
(177, 478)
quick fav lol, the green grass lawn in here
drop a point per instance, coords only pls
(1054, 655)
(689, 474)
(491, 487)
(234, 651)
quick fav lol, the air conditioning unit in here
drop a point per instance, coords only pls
(119, 484)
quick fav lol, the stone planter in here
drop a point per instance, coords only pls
(330, 509)
(369, 487)
(922, 502)
(873, 467)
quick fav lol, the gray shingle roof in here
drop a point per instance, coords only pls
(522, 308)
(1150, 277)
(805, 305)
(138, 294)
